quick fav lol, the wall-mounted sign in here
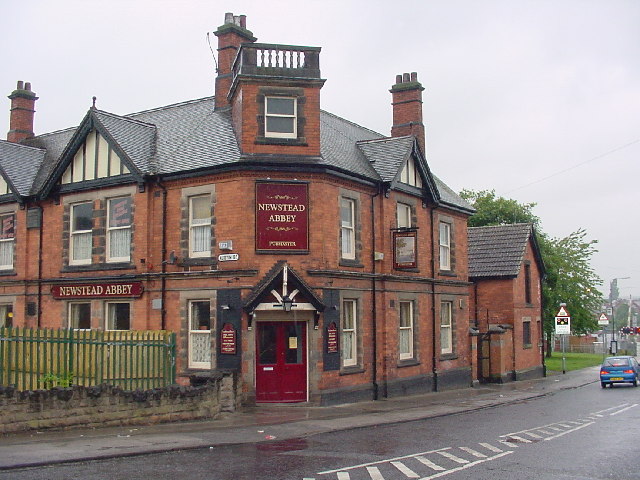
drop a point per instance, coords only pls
(404, 250)
(332, 338)
(282, 216)
(227, 257)
(97, 290)
(228, 340)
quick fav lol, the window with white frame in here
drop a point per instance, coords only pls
(347, 228)
(446, 327)
(280, 117)
(6, 315)
(118, 316)
(349, 332)
(404, 215)
(200, 226)
(445, 246)
(405, 343)
(7, 241)
(410, 175)
(81, 233)
(80, 315)
(199, 334)
(119, 220)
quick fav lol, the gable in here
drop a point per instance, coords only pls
(410, 173)
(4, 186)
(94, 159)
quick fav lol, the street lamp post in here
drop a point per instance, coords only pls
(614, 285)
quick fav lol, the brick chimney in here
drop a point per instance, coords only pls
(406, 98)
(23, 102)
(230, 36)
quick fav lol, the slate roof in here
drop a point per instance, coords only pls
(19, 165)
(498, 251)
(191, 136)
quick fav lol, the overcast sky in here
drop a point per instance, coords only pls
(539, 100)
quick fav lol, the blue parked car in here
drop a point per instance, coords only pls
(621, 369)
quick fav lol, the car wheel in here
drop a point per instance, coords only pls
(635, 383)
(603, 385)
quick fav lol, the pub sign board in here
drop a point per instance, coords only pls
(282, 217)
(97, 290)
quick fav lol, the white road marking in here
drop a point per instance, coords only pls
(463, 467)
(453, 457)
(343, 476)
(533, 435)
(546, 432)
(406, 470)
(374, 473)
(624, 409)
(353, 467)
(488, 446)
(569, 431)
(473, 452)
(508, 444)
(519, 438)
(429, 464)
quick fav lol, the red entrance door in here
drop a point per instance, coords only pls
(281, 362)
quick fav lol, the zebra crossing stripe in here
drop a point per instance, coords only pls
(473, 452)
(430, 464)
(453, 457)
(533, 435)
(343, 476)
(406, 470)
(374, 473)
(546, 432)
(519, 438)
(488, 446)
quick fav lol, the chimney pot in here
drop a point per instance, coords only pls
(22, 112)
(243, 21)
(228, 17)
(398, 79)
(405, 78)
(414, 76)
(27, 86)
(20, 85)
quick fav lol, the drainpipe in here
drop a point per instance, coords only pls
(374, 312)
(39, 306)
(434, 369)
(163, 280)
(544, 366)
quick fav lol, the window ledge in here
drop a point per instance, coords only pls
(447, 273)
(345, 262)
(407, 269)
(409, 362)
(351, 370)
(98, 267)
(199, 261)
(527, 346)
(448, 356)
(8, 273)
(300, 141)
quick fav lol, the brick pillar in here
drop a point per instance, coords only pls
(406, 97)
(23, 102)
(230, 36)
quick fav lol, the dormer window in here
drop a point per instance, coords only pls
(281, 117)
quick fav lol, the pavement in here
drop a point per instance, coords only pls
(269, 423)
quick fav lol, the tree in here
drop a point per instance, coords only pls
(569, 277)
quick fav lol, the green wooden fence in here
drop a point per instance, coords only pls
(32, 359)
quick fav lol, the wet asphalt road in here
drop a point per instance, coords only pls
(583, 433)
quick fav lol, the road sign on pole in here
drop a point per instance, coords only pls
(603, 320)
(563, 321)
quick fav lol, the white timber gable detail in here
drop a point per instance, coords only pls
(4, 186)
(410, 173)
(94, 159)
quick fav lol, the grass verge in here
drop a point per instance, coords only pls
(573, 361)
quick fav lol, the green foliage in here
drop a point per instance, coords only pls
(569, 277)
(492, 210)
(51, 380)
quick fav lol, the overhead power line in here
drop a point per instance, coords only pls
(560, 172)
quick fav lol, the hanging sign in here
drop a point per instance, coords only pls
(228, 340)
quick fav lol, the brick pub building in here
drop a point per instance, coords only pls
(320, 260)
